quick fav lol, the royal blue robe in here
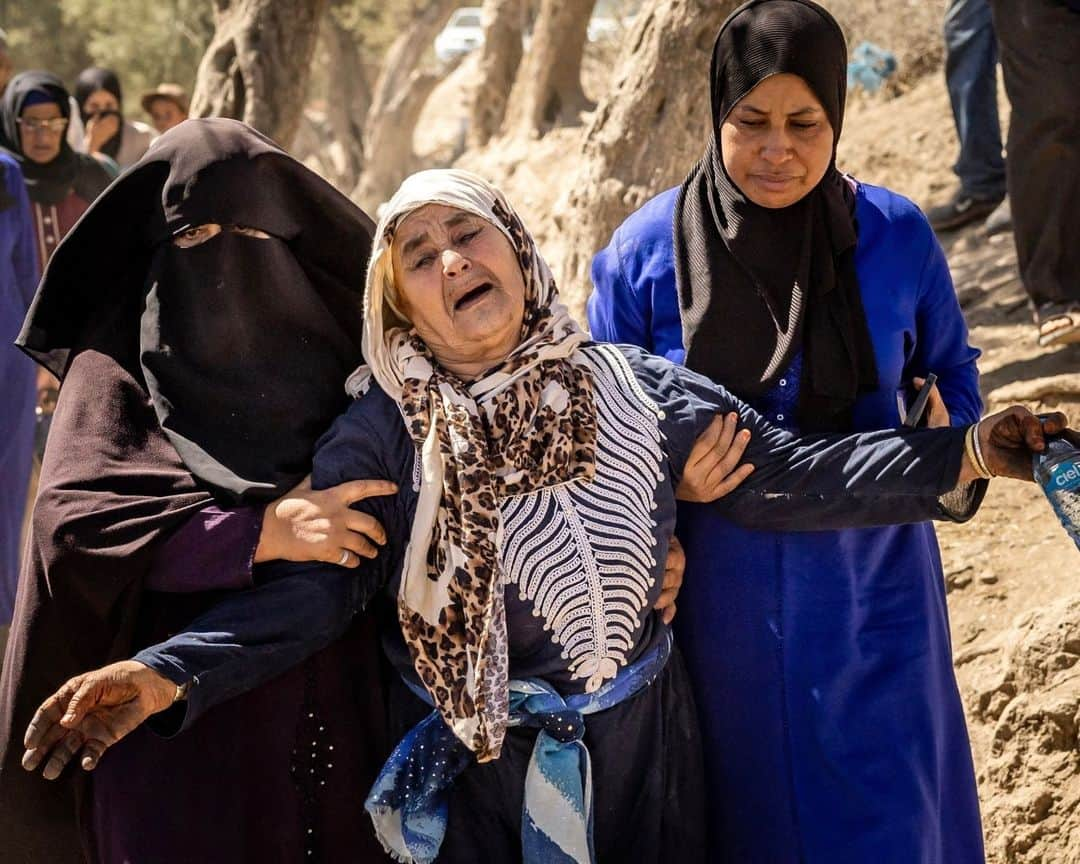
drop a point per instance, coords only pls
(18, 279)
(832, 724)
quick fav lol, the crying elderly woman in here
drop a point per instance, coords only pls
(542, 707)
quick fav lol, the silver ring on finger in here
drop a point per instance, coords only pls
(344, 559)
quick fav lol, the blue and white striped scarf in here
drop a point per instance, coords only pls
(408, 802)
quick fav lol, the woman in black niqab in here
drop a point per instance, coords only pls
(189, 376)
(785, 275)
(234, 334)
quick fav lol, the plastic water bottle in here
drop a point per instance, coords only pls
(1057, 471)
(869, 67)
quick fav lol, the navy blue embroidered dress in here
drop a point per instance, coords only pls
(832, 726)
(583, 565)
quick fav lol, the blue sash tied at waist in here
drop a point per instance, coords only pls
(408, 802)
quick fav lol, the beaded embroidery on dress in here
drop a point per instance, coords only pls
(584, 553)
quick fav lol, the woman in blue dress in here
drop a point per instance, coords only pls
(832, 725)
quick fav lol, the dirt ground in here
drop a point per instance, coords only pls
(1014, 591)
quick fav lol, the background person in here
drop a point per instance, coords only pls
(7, 65)
(108, 132)
(1040, 43)
(167, 106)
(971, 78)
(833, 729)
(60, 182)
(18, 279)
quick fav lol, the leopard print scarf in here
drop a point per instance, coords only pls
(529, 423)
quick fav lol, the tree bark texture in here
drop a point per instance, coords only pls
(500, 57)
(399, 97)
(547, 91)
(349, 102)
(404, 55)
(645, 135)
(388, 145)
(256, 67)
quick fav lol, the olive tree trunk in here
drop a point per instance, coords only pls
(645, 135)
(500, 57)
(348, 103)
(547, 90)
(256, 67)
(399, 96)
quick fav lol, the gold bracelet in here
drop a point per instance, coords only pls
(971, 448)
(979, 454)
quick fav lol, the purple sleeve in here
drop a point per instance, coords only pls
(212, 551)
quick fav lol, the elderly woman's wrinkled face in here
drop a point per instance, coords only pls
(777, 142)
(41, 129)
(460, 285)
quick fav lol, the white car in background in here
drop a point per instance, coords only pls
(462, 33)
(612, 19)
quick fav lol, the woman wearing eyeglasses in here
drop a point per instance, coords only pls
(61, 183)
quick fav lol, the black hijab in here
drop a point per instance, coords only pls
(52, 182)
(757, 284)
(89, 82)
(245, 343)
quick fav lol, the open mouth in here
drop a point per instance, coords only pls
(472, 296)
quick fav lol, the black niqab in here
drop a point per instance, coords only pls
(756, 284)
(245, 342)
(88, 83)
(51, 182)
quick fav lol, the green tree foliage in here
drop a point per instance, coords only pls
(144, 41)
(39, 39)
(372, 23)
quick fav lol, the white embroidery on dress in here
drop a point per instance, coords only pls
(583, 553)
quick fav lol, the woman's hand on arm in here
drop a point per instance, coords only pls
(91, 712)
(320, 525)
(712, 470)
(674, 567)
(937, 413)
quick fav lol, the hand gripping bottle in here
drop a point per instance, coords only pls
(1057, 471)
